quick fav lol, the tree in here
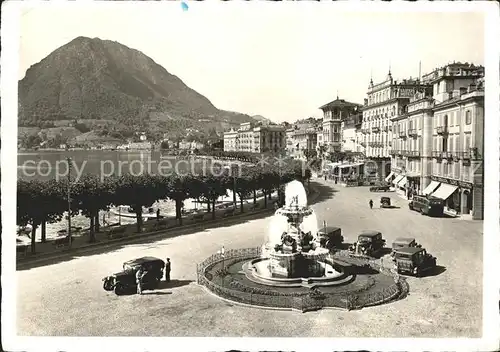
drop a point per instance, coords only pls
(178, 189)
(39, 202)
(91, 195)
(243, 187)
(212, 188)
(138, 192)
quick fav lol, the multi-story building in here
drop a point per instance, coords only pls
(385, 100)
(290, 140)
(305, 140)
(230, 139)
(333, 114)
(351, 130)
(438, 140)
(269, 138)
(257, 139)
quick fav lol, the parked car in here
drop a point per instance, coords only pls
(369, 243)
(330, 237)
(431, 206)
(385, 202)
(125, 282)
(380, 188)
(413, 260)
(403, 242)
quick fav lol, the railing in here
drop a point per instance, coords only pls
(402, 134)
(375, 129)
(437, 154)
(412, 132)
(304, 301)
(413, 154)
(448, 155)
(441, 130)
(393, 152)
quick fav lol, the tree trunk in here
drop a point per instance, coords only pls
(254, 196)
(97, 225)
(178, 211)
(234, 197)
(208, 205)
(265, 199)
(270, 195)
(33, 238)
(213, 209)
(92, 229)
(138, 214)
(44, 231)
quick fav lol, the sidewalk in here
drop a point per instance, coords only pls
(47, 251)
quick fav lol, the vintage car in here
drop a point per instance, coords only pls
(330, 237)
(380, 188)
(125, 282)
(430, 206)
(370, 243)
(413, 260)
(402, 242)
(385, 202)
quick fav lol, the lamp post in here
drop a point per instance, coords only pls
(69, 201)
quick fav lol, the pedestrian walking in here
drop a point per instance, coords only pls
(325, 177)
(138, 279)
(158, 214)
(371, 204)
(168, 267)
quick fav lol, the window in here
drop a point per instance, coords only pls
(468, 117)
(466, 172)
(467, 141)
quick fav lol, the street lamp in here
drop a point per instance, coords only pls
(69, 201)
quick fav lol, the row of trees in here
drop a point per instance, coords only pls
(42, 202)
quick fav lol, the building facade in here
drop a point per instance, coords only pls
(351, 132)
(305, 140)
(438, 140)
(384, 101)
(255, 139)
(333, 114)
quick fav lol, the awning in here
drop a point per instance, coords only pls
(444, 191)
(402, 182)
(397, 179)
(389, 177)
(431, 187)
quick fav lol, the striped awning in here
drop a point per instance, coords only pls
(444, 191)
(402, 182)
(397, 179)
(431, 187)
(389, 176)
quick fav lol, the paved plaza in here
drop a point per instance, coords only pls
(67, 299)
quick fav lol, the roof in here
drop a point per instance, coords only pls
(339, 103)
(408, 250)
(370, 233)
(328, 229)
(404, 240)
(142, 260)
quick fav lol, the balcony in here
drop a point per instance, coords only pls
(402, 134)
(442, 130)
(437, 154)
(474, 153)
(393, 152)
(412, 132)
(413, 154)
(375, 129)
(363, 144)
(448, 155)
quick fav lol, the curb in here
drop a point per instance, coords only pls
(143, 236)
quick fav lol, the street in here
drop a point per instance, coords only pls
(67, 299)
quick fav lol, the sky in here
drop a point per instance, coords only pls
(279, 60)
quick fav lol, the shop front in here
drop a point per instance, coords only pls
(457, 195)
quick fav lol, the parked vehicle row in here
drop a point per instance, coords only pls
(429, 206)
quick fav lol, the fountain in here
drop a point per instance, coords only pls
(292, 254)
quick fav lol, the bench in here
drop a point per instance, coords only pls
(198, 217)
(229, 212)
(119, 232)
(22, 250)
(61, 242)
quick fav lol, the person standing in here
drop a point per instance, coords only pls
(371, 204)
(168, 267)
(138, 279)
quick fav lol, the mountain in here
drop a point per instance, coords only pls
(261, 118)
(104, 83)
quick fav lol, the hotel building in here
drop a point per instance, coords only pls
(438, 140)
(255, 139)
(384, 101)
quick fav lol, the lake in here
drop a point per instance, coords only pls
(45, 165)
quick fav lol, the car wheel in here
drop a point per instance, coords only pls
(107, 285)
(418, 273)
(421, 211)
(119, 289)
